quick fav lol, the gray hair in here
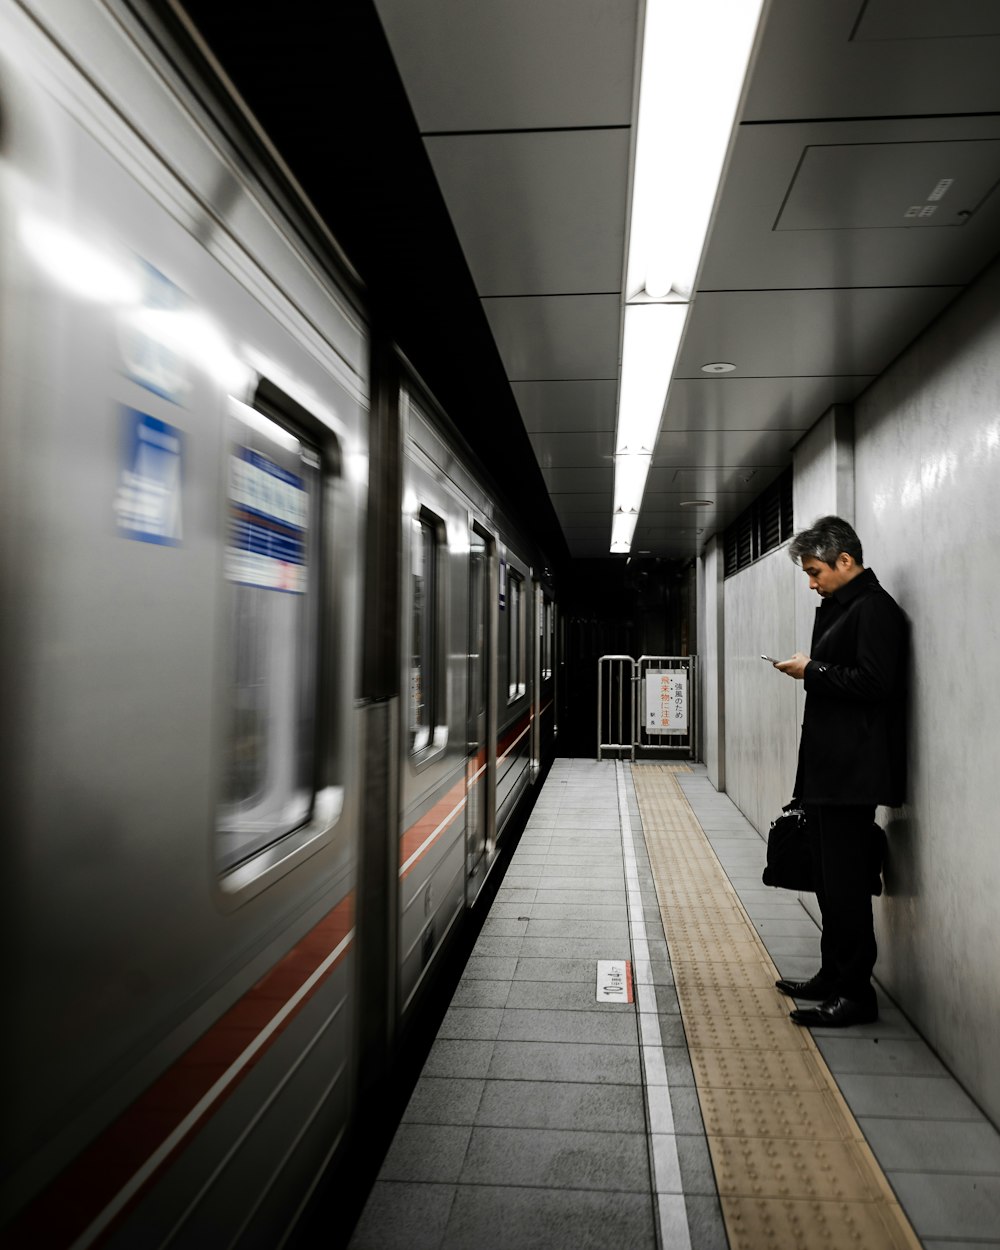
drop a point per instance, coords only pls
(826, 539)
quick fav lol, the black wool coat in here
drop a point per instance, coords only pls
(853, 745)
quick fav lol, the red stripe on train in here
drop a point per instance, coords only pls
(426, 830)
(82, 1192)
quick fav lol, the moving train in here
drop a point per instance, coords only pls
(278, 672)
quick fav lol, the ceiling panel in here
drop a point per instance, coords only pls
(556, 337)
(763, 165)
(928, 19)
(554, 450)
(819, 332)
(907, 186)
(743, 479)
(557, 406)
(595, 478)
(517, 65)
(570, 503)
(735, 403)
(809, 65)
(537, 213)
(712, 447)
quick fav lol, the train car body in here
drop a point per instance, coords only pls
(198, 770)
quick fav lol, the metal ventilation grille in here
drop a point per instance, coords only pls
(766, 524)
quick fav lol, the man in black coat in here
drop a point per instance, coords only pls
(852, 757)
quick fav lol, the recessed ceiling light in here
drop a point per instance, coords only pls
(718, 366)
(696, 503)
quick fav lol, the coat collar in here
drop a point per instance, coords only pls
(865, 580)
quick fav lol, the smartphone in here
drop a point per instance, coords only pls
(770, 659)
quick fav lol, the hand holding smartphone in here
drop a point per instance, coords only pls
(770, 659)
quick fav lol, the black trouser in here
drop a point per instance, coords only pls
(840, 841)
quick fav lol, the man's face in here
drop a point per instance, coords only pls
(824, 579)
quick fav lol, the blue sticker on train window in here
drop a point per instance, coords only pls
(268, 517)
(148, 501)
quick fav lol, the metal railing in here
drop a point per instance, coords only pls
(647, 707)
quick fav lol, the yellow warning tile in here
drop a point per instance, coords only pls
(793, 1168)
(722, 975)
(790, 1114)
(733, 1002)
(742, 1069)
(772, 1224)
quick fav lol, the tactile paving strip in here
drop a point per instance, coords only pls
(793, 1169)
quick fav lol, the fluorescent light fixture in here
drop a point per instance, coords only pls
(630, 481)
(649, 349)
(694, 60)
(622, 528)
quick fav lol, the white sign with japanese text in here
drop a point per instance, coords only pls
(667, 701)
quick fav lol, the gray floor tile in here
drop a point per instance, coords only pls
(563, 1104)
(464, 1058)
(509, 1218)
(509, 911)
(613, 930)
(604, 1028)
(403, 1216)
(471, 1022)
(706, 1226)
(940, 1205)
(697, 1175)
(915, 1097)
(426, 1152)
(968, 1146)
(678, 1065)
(489, 968)
(901, 1057)
(540, 969)
(562, 1061)
(797, 927)
(782, 945)
(575, 948)
(470, 993)
(573, 897)
(577, 911)
(497, 926)
(444, 1100)
(502, 947)
(891, 1024)
(686, 1110)
(957, 1245)
(558, 1159)
(506, 894)
(559, 996)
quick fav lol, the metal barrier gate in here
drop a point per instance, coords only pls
(647, 706)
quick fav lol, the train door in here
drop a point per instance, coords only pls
(481, 764)
(536, 678)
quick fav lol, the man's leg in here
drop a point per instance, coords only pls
(841, 841)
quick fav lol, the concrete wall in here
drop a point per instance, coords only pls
(761, 724)
(927, 475)
(919, 468)
(711, 650)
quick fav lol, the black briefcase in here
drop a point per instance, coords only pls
(789, 864)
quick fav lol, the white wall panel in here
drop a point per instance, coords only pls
(927, 467)
(761, 722)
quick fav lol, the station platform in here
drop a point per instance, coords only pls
(686, 1111)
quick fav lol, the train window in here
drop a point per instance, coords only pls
(273, 598)
(548, 637)
(425, 628)
(516, 685)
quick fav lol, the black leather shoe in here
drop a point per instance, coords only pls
(815, 988)
(836, 1013)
